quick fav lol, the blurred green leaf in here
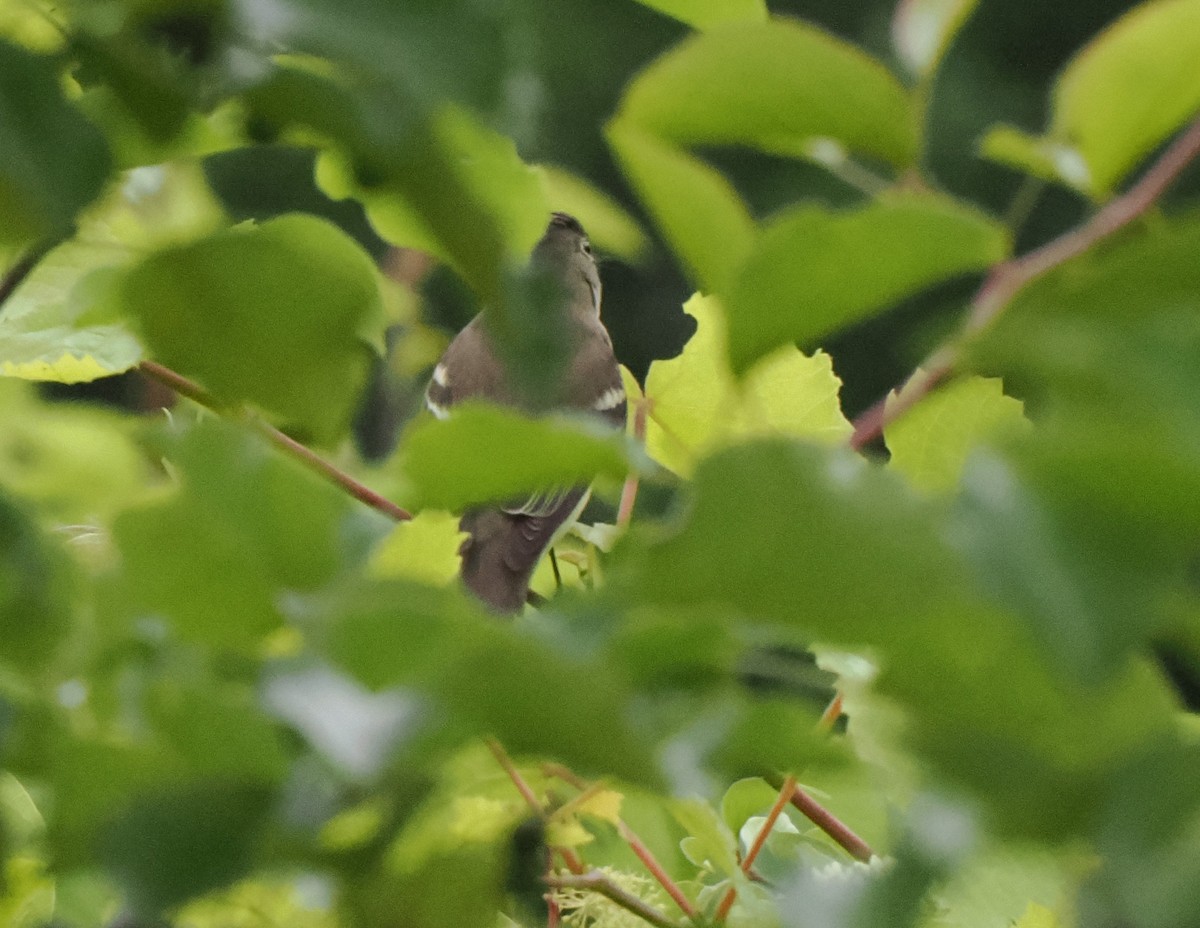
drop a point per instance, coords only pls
(834, 521)
(53, 162)
(1036, 156)
(273, 314)
(36, 590)
(1130, 88)
(40, 459)
(486, 453)
(704, 14)
(215, 558)
(441, 646)
(698, 406)
(930, 443)
(174, 844)
(710, 843)
(700, 213)
(922, 30)
(814, 271)
(775, 86)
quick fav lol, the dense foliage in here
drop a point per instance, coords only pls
(929, 667)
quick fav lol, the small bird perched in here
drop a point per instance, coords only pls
(505, 544)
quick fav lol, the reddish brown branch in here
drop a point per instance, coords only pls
(306, 456)
(1007, 279)
(629, 492)
(786, 792)
(635, 843)
(855, 846)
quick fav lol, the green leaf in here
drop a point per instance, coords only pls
(698, 406)
(835, 520)
(53, 162)
(246, 525)
(440, 646)
(1130, 88)
(698, 210)
(704, 14)
(35, 591)
(1036, 156)
(274, 315)
(710, 843)
(491, 454)
(425, 549)
(922, 30)
(40, 459)
(775, 86)
(815, 271)
(930, 443)
(175, 844)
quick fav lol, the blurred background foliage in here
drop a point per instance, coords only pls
(230, 695)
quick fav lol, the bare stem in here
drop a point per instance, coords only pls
(514, 774)
(629, 492)
(786, 793)
(306, 456)
(1007, 279)
(644, 854)
(855, 846)
(596, 882)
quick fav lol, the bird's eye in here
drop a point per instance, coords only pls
(586, 247)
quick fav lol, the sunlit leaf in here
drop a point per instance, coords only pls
(425, 548)
(929, 444)
(697, 406)
(776, 86)
(1130, 88)
(815, 271)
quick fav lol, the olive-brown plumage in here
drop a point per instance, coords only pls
(505, 544)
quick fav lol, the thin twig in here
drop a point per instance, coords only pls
(15, 275)
(832, 713)
(629, 492)
(1007, 279)
(855, 846)
(514, 774)
(644, 854)
(596, 882)
(306, 456)
(786, 792)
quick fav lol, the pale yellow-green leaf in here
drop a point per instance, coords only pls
(567, 833)
(1037, 916)
(604, 804)
(609, 226)
(923, 29)
(1040, 157)
(931, 442)
(1131, 87)
(424, 549)
(696, 405)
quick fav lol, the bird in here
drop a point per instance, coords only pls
(505, 543)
